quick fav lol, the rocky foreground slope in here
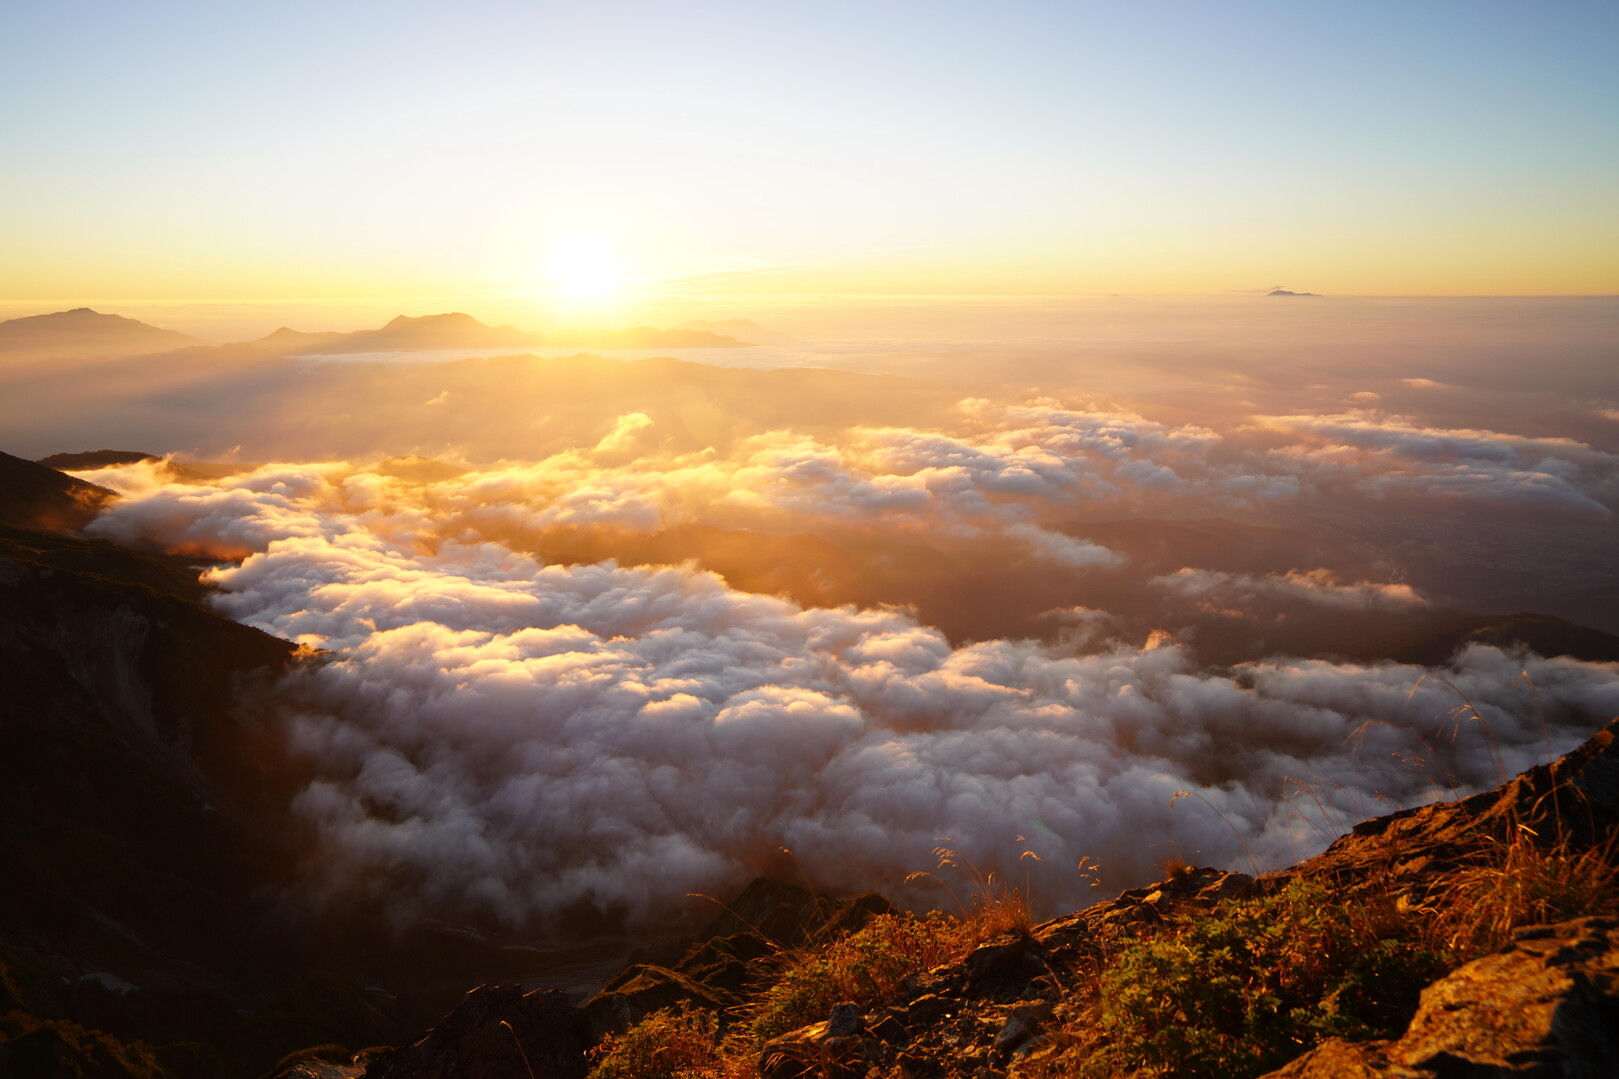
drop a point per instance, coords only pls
(1540, 1000)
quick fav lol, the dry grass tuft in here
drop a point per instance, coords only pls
(1527, 882)
(1175, 868)
(992, 904)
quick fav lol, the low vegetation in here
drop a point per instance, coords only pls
(676, 1043)
(1250, 985)
(867, 968)
(1232, 991)
(1530, 881)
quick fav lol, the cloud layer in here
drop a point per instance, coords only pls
(502, 740)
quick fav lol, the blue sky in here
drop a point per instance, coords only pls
(312, 149)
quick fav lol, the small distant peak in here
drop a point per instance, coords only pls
(89, 460)
(1286, 292)
(459, 317)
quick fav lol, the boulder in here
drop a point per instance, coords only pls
(1021, 1023)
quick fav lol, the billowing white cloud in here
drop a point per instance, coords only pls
(1380, 454)
(1002, 465)
(500, 739)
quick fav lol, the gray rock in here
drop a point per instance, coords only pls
(927, 1010)
(890, 1029)
(1021, 1022)
(998, 955)
(844, 1021)
(1548, 1006)
(1229, 886)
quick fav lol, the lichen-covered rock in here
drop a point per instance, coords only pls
(1339, 1059)
(1021, 1022)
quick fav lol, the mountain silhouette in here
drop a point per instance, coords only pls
(458, 330)
(452, 330)
(85, 334)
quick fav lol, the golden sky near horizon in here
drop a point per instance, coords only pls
(182, 152)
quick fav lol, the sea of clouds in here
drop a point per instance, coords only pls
(503, 740)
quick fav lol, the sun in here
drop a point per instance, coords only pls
(585, 269)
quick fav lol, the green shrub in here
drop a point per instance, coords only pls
(867, 967)
(1250, 985)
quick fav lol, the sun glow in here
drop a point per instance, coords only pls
(585, 269)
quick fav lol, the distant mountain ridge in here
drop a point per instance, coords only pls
(456, 329)
(88, 335)
(85, 334)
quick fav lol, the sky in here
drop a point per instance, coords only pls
(176, 152)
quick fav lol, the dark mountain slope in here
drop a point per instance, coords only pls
(143, 822)
(145, 835)
(138, 799)
(34, 496)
